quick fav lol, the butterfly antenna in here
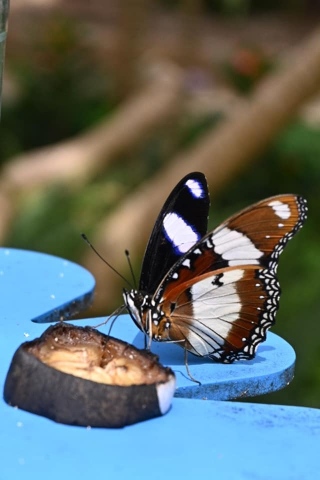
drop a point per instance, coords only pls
(127, 253)
(85, 238)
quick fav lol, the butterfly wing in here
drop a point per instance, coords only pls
(222, 296)
(258, 234)
(181, 223)
(225, 315)
(254, 236)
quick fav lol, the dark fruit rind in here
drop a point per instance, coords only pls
(35, 386)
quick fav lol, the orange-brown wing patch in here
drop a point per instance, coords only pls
(223, 315)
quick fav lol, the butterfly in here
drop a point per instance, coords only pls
(215, 294)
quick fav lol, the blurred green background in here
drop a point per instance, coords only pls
(65, 72)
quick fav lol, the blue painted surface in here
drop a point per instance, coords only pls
(196, 439)
(270, 370)
(37, 285)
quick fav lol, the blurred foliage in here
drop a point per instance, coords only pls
(60, 90)
(245, 7)
(247, 67)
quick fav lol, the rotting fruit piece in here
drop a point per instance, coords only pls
(79, 376)
(86, 353)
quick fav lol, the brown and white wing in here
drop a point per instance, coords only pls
(225, 314)
(254, 236)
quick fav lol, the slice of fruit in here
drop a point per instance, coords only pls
(79, 376)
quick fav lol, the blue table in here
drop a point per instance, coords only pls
(195, 439)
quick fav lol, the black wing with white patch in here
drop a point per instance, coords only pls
(181, 223)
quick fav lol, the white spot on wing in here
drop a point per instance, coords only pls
(235, 247)
(182, 236)
(186, 263)
(195, 188)
(281, 209)
(204, 343)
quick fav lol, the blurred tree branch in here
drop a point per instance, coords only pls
(131, 31)
(75, 162)
(220, 154)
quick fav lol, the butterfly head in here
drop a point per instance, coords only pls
(147, 315)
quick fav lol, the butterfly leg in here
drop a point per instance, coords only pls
(147, 340)
(112, 317)
(187, 368)
(149, 332)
